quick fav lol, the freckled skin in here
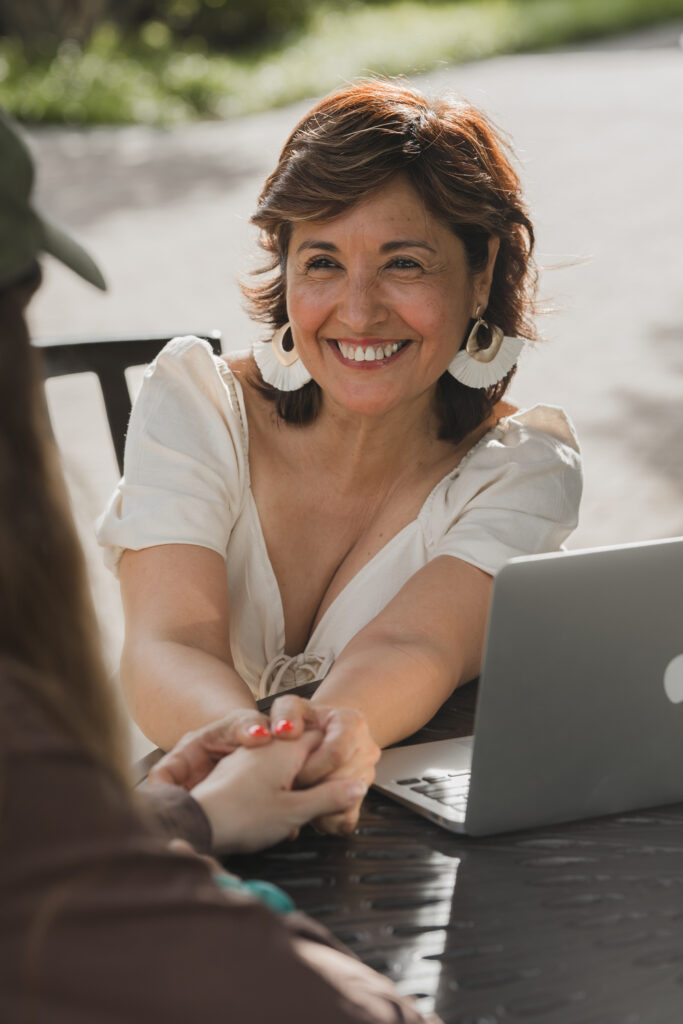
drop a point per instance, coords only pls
(384, 271)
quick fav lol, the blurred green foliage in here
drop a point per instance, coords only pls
(165, 71)
(224, 24)
(41, 25)
(231, 24)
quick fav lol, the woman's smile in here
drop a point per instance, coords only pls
(367, 353)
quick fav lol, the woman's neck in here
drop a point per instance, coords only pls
(369, 448)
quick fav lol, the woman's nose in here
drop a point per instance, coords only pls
(361, 304)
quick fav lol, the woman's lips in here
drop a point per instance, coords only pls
(367, 351)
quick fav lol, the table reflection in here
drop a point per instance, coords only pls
(579, 923)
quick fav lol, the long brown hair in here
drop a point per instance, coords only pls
(47, 622)
(353, 143)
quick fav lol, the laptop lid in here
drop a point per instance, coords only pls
(580, 708)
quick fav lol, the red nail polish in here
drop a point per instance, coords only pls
(284, 725)
(258, 730)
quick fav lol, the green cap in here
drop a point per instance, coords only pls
(25, 233)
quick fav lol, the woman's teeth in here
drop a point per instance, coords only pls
(370, 352)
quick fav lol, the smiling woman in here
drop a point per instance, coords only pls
(387, 267)
(368, 136)
(357, 477)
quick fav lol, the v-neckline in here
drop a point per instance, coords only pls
(236, 388)
(415, 522)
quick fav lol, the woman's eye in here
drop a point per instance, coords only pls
(320, 263)
(404, 263)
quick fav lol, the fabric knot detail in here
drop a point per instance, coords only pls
(284, 672)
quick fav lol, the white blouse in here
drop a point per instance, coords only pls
(186, 481)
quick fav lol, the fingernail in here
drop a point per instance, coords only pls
(284, 725)
(355, 790)
(258, 730)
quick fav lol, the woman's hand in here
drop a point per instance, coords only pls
(347, 751)
(249, 800)
(198, 752)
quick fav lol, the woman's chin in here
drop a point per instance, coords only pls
(368, 398)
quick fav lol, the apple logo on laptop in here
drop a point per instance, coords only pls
(673, 680)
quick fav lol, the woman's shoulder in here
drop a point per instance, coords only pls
(188, 389)
(190, 360)
(545, 424)
(516, 492)
(192, 349)
(522, 438)
(528, 458)
(186, 468)
(188, 369)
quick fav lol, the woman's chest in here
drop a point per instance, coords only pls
(322, 512)
(318, 538)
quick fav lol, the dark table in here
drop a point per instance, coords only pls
(575, 924)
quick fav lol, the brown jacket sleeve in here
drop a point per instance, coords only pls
(170, 811)
(101, 924)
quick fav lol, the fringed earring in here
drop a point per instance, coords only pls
(279, 363)
(479, 367)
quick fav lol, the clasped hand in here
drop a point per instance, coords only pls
(259, 780)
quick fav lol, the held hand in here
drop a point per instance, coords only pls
(249, 800)
(347, 750)
(198, 752)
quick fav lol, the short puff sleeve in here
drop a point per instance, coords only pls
(516, 493)
(185, 465)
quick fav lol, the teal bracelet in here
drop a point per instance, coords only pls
(266, 892)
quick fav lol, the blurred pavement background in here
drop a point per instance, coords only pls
(598, 132)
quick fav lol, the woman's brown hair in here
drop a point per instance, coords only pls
(353, 143)
(47, 623)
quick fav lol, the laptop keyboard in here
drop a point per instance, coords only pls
(449, 788)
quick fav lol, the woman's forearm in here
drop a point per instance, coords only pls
(403, 665)
(172, 688)
(397, 686)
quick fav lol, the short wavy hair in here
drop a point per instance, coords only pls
(352, 144)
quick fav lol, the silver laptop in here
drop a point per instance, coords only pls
(580, 706)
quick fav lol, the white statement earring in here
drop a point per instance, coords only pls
(478, 367)
(279, 363)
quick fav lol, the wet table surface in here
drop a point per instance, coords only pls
(573, 924)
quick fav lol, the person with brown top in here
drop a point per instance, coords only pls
(101, 920)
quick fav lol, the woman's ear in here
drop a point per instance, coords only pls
(485, 277)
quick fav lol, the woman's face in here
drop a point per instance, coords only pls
(379, 300)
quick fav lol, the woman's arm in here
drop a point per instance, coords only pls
(176, 667)
(393, 676)
(518, 496)
(428, 640)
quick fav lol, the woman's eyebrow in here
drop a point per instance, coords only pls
(406, 243)
(401, 243)
(311, 243)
